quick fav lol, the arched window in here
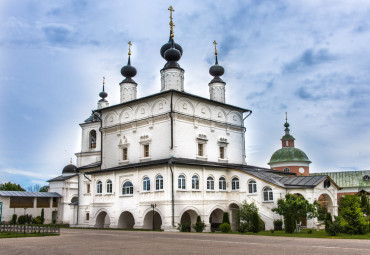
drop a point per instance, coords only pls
(146, 183)
(127, 188)
(210, 183)
(109, 186)
(286, 170)
(235, 183)
(99, 187)
(159, 182)
(181, 182)
(222, 183)
(195, 182)
(267, 194)
(92, 139)
(252, 186)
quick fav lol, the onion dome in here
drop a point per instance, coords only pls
(69, 169)
(167, 46)
(216, 70)
(103, 94)
(172, 55)
(128, 71)
(289, 154)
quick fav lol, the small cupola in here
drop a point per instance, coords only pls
(128, 85)
(217, 85)
(103, 102)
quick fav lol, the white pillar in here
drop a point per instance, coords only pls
(172, 78)
(217, 91)
(128, 91)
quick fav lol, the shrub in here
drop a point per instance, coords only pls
(289, 224)
(261, 224)
(225, 218)
(278, 225)
(37, 220)
(225, 227)
(352, 216)
(29, 218)
(22, 219)
(272, 231)
(328, 221)
(322, 211)
(309, 231)
(333, 228)
(243, 227)
(199, 226)
(185, 227)
(255, 222)
(42, 216)
(14, 219)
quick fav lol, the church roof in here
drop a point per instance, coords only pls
(62, 178)
(289, 154)
(349, 179)
(28, 194)
(174, 91)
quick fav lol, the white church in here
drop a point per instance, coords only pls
(172, 154)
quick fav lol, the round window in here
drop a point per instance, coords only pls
(301, 170)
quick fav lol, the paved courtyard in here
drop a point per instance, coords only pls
(86, 241)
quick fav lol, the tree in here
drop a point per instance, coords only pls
(34, 188)
(246, 210)
(365, 204)
(44, 189)
(199, 226)
(294, 208)
(225, 218)
(42, 217)
(352, 216)
(11, 187)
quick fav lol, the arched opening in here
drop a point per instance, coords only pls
(215, 219)
(326, 202)
(92, 139)
(102, 220)
(148, 220)
(126, 220)
(189, 218)
(234, 217)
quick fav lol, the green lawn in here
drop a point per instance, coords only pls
(315, 234)
(13, 235)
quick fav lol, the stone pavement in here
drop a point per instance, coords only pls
(92, 241)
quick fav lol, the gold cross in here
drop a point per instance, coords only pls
(215, 43)
(171, 22)
(286, 116)
(129, 48)
(103, 81)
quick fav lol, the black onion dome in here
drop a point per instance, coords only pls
(167, 46)
(172, 54)
(103, 94)
(128, 70)
(69, 169)
(216, 70)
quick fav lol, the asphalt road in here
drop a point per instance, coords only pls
(90, 241)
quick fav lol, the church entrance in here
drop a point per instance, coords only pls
(234, 218)
(326, 202)
(148, 220)
(189, 218)
(102, 220)
(215, 219)
(126, 220)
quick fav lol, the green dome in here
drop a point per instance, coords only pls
(289, 154)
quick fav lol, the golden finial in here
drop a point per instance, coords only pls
(103, 81)
(286, 116)
(71, 161)
(129, 48)
(215, 43)
(171, 22)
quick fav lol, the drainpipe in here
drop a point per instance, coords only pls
(172, 191)
(171, 117)
(78, 195)
(244, 153)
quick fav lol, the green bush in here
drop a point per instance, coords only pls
(322, 210)
(333, 228)
(225, 227)
(255, 222)
(243, 227)
(14, 219)
(42, 216)
(352, 216)
(261, 224)
(29, 218)
(225, 218)
(328, 221)
(199, 226)
(37, 220)
(309, 231)
(185, 227)
(289, 224)
(22, 219)
(278, 225)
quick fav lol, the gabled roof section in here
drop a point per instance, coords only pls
(92, 165)
(28, 194)
(348, 179)
(302, 181)
(62, 178)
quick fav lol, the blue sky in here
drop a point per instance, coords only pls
(309, 58)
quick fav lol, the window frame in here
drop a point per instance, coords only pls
(146, 184)
(195, 182)
(210, 183)
(267, 192)
(181, 182)
(109, 187)
(159, 182)
(92, 140)
(252, 185)
(235, 183)
(222, 183)
(126, 189)
(99, 187)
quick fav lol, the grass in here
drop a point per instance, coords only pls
(14, 235)
(304, 233)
